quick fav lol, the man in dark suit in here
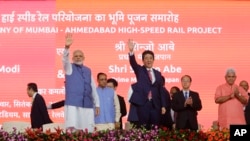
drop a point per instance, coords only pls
(166, 120)
(173, 91)
(132, 114)
(148, 94)
(39, 114)
(112, 83)
(186, 103)
(245, 86)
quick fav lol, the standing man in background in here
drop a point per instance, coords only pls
(186, 103)
(147, 96)
(231, 99)
(245, 86)
(166, 120)
(109, 105)
(173, 91)
(39, 113)
(112, 83)
(81, 99)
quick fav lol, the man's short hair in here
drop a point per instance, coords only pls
(187, 76)
(113, 81)
(230, 70)
(101, 73)
(176, 88)
(147, 52)
(78, 50)
(32, 86)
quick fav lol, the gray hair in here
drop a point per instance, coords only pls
(230, 70)
(78, 50)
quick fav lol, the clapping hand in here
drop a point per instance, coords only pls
(236, 92)
(189, 101)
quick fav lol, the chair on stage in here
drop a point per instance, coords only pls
(53, 126)
(19, 126)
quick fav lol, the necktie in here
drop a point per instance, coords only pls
(186, 95)
(150, 77)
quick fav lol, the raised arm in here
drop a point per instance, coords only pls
(66, 62)
(132, 60)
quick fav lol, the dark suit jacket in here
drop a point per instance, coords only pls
(58, 104)
(39, 114)
(188, 113)
(122, 108)
(247, 111)
(140, 91)
(166, 119)
(132, 114)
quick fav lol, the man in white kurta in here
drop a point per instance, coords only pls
(81, 99)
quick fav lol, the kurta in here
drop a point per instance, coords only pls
(231, 111)
(77, 115)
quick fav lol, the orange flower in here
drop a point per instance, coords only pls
(216, 138)
(48, 132)
(210, 138)
(220, 135)
(212, 133)
(58, 130)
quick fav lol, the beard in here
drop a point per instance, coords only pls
(78, 62)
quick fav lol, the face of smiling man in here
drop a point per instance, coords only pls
(148, 60)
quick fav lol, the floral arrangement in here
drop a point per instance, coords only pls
(12, 136)
(218, 135)
(182, 135)
(156, 134)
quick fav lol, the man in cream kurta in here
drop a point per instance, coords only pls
(109, 105)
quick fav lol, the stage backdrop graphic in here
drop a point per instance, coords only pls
(201, 39)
